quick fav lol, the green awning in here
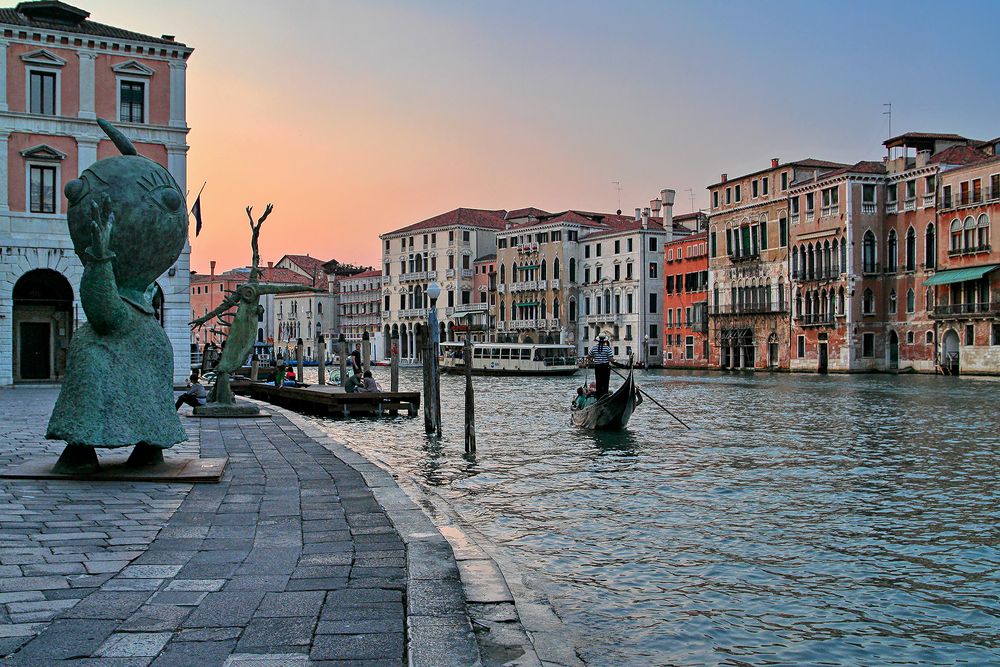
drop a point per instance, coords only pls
(528, 266)
(526, 304)
(960, 275)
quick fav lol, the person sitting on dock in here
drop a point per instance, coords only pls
(353, 384)
(194, 396)
(369, 383)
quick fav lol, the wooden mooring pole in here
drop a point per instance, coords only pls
(428, 354)
(342, 348)
(366, 351)
(321, 358)
(300, 373)
(470, 399)
(394, 363)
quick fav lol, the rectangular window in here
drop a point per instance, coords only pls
(868, 345)
(628, 245)
(43, 190)
(763, 234)
(689, 347)
(800, 347)
(784, 180)
(739, 193)
(43, 92)
(712, 243)
(868, 195)
(729, 195)
(628, 332)
(753, 188)
(995, 186)
(597, 275)
(465, 261)
(618, 271)
(586, 275)
(970, 334)
(652, 331)
(782, 232)
(946, 195)
(763, 186)
(466, 237)
(715, 199)
(670, 317)
(597, 250)
(618, 247)
(586, 252)
(386, 303)
(628, 271)
(652, 303)
(652, 244)
(652, 350)
(652, 269)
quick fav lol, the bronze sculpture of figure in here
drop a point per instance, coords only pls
(128, 222)
(241, 329)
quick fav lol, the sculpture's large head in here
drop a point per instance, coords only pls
(151, 221)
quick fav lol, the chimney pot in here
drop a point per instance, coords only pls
(638, 214)
(645, 218)
(212, 264)
(774, 162)
(270, 265)
(725, 177)
(654, 206)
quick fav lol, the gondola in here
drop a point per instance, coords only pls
(612, 412)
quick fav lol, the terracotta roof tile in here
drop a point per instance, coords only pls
(467, 217)
(34, 15)
(960, 155)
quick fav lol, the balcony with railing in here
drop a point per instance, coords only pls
(826, 273)
(766, 308)
(480, 307)
(467, 273)
(417, 275)
(871, 268)
(554, 283)
(891, 208)
(970, 250)
(745, 257)
(910, 204)
(868, 208)
(816, 319)
(964, 310)
(969, 198)
(413, 312)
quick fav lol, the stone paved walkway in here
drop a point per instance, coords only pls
(289, 557)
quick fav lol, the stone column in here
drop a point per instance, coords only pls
(86, 155)
(4, 176)
(177, 165)
(178, 93)
(87, 84)
(3, 76)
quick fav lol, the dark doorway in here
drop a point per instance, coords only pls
(823, 357)
(893, 351)
(35, 362)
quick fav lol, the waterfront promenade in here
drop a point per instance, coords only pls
(303, 554)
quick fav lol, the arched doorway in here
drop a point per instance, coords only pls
(386, 342)
(892, 353)
(772, 351)
(949, 353)
(42, 325)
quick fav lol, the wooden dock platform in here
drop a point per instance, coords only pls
(332, 400)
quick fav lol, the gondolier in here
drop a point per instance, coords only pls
(600, 357)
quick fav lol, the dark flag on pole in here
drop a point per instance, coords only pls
(196, 212)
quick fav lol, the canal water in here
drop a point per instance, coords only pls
(835, 520)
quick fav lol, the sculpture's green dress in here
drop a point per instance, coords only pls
(118, 388)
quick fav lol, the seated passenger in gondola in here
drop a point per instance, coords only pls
(581, 398)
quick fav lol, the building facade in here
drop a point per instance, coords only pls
(360, 310)
(966, 300)
(59, 72)
(481, 313)
(685, 302)
(440, 249)
(748, 265)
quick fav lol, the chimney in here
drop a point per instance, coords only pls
(774, 163)
(667, 196)
(654, 205)
(724, 178)
(270, 265)
(638, 214)
(212, 264)
(645, 218)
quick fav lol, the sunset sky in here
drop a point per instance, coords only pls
(356, 118)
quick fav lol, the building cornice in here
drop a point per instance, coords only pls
(437, 228)
(105, 45)
(13, 121)
(926, 170)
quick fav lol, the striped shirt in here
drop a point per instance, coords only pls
(601, 354)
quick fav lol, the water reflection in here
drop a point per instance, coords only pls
(804, 519)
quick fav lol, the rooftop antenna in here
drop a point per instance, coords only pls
(690, 192)
(618, 187)
(888, 112)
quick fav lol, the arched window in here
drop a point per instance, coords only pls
(930, 247)
(572, 310)
(911, 300)
(840, 301)
(969, 239)
(555, 269)
(831, 305)
(868, 302)
(607, 301)
(892, 302)
(798, 303)
(503, 274)
(835, 257)
(827, 260)
(983, 232)
(572, 269)
(543, 313)
(544, 273)
(929, 299)
(955, 240)
(911, 249)
(555, 307)
(869, 253)
(843, 256)
(503, 310)
(891, 252)
(795, 263)
(781, 294)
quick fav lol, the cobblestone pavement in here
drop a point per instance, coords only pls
(289, 560)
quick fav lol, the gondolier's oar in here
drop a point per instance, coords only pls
(657, 402)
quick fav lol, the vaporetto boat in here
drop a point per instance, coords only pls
(510, 359)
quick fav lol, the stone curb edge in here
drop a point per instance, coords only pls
(439, 631)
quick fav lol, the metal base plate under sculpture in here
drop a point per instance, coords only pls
(238, 409)
(119, 468)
